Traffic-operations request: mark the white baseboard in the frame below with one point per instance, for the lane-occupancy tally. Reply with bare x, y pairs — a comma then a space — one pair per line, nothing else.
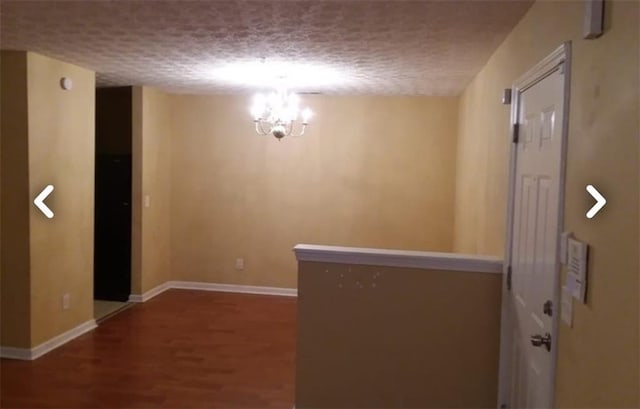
234, 288
228, 288
23, 354
36, 352
151, 293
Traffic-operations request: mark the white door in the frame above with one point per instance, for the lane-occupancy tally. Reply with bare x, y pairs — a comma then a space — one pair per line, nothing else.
535, 238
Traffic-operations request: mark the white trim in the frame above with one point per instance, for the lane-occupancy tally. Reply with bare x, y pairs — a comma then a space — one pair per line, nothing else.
541, 70
228, 288
23, 354
151, 293
62, 339
234, 288
561, 55
47, 346
398, 258
136, 298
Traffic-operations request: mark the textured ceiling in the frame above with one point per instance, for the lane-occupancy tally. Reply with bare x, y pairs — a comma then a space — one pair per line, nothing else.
337, 47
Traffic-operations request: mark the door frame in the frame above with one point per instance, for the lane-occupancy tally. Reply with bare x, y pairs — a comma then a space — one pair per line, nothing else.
561, 56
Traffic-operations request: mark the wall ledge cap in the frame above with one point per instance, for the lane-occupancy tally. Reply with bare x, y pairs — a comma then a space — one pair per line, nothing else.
428, 260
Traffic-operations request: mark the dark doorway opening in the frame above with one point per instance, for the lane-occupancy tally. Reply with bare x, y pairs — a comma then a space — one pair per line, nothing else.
112, 228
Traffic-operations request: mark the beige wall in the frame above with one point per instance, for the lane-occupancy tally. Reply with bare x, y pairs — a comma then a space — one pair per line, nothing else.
598, 357
61, 153
417, 339
48, 138
15, 202
371, 171
152, 177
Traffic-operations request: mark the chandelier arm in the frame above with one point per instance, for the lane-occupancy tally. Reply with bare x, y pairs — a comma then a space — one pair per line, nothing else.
260, 128
288, 128
304, 126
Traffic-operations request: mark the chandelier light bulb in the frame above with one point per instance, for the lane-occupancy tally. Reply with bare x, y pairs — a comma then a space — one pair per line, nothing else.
256, 112
259, 99
290, 114
258, 107
306, 115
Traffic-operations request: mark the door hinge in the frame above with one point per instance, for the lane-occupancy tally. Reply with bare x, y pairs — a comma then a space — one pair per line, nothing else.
516, 133
509, 278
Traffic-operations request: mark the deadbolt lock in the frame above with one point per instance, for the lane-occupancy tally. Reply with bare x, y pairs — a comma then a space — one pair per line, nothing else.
547, 308
540, 340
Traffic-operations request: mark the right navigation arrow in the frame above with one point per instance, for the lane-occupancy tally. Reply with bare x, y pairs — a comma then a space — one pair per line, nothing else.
600, 201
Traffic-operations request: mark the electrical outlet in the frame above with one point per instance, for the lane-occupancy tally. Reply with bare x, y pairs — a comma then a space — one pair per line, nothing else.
66, 301
239, 264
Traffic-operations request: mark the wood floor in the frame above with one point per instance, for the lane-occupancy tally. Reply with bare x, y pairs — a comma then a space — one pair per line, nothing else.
103, 309
182, 349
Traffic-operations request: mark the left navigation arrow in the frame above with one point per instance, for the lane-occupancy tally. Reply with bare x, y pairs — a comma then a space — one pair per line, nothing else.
39, 201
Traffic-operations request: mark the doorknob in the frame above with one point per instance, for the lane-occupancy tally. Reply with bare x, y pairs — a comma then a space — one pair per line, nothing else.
539, 340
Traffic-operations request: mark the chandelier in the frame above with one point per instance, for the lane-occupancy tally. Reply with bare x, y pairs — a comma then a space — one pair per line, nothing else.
277, 114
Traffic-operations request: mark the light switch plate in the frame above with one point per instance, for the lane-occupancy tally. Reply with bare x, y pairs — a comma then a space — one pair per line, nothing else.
564, 238
577, 267
239, 264
566, 306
